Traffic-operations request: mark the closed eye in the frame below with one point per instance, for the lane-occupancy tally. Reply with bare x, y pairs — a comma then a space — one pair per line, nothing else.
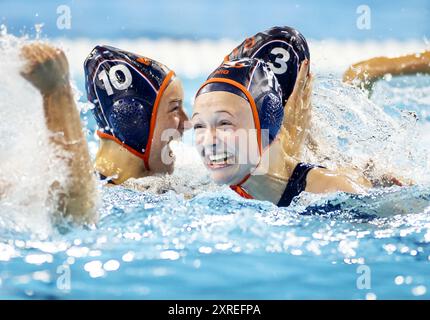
175, 106
223, 123
198, 126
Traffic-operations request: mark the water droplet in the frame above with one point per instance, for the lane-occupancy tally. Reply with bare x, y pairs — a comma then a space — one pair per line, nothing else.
223, 246
169, 254
93, 265
296, 252
3, 30
38, 258
95, 253
206, 250
42, 276
94, 268
111, 265
399, 280
38, 27
370, 296
29, 292
419, 291
197, 263
388, 77
128, 257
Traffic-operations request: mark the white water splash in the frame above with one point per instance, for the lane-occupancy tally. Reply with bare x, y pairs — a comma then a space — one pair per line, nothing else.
352, 131
28, 165
190, 177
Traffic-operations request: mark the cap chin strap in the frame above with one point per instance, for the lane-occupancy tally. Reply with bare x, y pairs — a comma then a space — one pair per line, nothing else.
239, 190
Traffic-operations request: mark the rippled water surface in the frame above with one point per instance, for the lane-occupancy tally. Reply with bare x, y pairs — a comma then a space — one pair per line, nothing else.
219, 246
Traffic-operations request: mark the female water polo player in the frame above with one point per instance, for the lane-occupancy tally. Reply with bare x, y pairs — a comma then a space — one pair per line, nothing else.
247, 93
365, 73
138, 109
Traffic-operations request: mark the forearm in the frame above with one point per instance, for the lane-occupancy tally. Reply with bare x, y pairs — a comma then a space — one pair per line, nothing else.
297, 114
407, 65
63, 121
376, 68
411, 64
292, 147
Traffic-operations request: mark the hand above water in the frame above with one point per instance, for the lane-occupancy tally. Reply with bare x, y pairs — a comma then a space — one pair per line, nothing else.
297, 113
46, 67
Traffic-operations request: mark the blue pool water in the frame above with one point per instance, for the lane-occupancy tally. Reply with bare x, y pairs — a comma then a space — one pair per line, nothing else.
218, 246
213, 244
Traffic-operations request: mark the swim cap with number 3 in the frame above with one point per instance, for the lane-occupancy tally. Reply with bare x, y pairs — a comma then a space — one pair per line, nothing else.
282, 48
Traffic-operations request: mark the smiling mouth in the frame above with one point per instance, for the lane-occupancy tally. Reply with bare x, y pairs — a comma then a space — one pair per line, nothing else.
219, 160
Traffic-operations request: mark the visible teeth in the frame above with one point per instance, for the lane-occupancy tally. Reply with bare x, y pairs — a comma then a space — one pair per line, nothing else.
221, 157
217, 157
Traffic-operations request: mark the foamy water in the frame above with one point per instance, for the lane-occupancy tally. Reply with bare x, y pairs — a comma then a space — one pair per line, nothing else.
28, 162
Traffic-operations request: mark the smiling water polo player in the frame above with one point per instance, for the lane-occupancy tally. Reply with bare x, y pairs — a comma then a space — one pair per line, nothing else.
245, 93
138, 108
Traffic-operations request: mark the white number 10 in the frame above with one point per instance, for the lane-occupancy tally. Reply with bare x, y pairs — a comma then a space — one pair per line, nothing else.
103, 76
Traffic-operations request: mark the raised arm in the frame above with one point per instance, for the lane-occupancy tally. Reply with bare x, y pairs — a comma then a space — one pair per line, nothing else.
366, 73
297, 114
47, 69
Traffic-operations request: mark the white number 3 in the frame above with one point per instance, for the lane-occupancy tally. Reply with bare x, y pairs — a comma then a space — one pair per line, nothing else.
114, 79
280, 60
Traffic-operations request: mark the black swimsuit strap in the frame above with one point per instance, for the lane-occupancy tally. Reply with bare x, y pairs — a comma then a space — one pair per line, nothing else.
296, 183
103, 177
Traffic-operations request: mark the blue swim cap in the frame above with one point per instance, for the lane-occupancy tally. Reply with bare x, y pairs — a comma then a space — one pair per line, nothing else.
282, 48
125, 90
252, 80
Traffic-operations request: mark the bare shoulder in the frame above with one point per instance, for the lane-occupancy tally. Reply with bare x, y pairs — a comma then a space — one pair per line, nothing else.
320, 180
